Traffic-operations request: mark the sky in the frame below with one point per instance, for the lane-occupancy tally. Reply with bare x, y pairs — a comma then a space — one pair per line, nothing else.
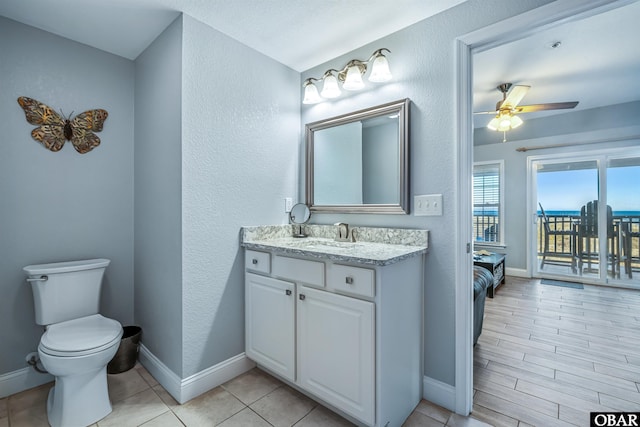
570, 190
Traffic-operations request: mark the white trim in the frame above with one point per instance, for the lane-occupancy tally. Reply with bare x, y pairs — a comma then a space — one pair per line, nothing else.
508, 30
462, 401
186, 389
21, 380
517, 272
165, 376
438, 392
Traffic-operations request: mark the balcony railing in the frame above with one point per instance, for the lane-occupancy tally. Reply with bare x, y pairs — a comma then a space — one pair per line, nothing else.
486, 229
625, 249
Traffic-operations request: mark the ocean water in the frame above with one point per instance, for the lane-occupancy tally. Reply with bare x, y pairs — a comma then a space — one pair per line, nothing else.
494, 212
577, 213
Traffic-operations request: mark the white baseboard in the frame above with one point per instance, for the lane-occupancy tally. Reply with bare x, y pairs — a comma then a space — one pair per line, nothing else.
439, 393
186, 389
517, 272
21, 380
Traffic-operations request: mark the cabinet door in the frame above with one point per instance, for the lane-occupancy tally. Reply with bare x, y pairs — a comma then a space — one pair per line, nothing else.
336, 351
270, 323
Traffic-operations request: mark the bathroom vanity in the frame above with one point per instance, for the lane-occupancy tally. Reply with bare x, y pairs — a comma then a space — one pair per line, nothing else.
339, 321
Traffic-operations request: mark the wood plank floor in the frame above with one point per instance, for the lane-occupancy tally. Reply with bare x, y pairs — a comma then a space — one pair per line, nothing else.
549, 355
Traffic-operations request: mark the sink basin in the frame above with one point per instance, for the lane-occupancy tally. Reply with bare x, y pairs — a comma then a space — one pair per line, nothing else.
326, 244
336, 244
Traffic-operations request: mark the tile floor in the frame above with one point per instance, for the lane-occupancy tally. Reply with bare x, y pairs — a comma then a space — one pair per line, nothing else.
547, 356
253, 399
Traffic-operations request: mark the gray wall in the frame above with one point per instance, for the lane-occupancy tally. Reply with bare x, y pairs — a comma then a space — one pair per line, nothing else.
158, 193
422, 63
211, 155
65, 205
240, 128
206, 152
599, 124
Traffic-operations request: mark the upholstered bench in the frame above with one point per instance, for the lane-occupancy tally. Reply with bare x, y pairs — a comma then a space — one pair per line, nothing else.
482, 279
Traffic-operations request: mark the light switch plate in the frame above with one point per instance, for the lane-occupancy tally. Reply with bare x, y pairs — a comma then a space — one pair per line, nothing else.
288, 204
428, 205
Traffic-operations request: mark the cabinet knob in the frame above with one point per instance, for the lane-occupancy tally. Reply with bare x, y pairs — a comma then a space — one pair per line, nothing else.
254, 261
348, 280
288, 292
302, 297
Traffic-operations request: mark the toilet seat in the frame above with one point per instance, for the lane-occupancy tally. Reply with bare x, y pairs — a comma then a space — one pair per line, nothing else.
79, 337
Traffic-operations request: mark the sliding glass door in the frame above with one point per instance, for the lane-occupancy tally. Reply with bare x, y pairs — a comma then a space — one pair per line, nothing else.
623, 195
586, 218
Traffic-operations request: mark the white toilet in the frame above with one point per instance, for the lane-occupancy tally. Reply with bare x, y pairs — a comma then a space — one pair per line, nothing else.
78, 342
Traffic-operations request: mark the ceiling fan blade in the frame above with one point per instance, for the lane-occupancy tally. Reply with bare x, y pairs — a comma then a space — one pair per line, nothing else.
485, 112
516, 93
549, 106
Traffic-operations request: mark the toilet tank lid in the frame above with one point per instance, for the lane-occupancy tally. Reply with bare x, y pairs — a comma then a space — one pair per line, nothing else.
65, 267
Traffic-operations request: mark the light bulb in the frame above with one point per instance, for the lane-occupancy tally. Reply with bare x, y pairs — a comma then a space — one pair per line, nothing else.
504, 122
515, 122
380, 72
330, 87
353, 81
493, 124
311, 95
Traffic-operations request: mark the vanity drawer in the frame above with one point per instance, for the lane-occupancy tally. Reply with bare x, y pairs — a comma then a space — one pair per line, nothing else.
353, 280
299, 270
257, 261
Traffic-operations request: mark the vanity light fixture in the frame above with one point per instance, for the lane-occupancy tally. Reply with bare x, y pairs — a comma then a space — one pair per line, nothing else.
350, 76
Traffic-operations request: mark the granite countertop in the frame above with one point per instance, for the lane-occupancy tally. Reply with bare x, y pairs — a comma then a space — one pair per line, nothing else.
373, 246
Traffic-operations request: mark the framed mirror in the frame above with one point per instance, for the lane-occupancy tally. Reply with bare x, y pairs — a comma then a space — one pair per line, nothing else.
359, 162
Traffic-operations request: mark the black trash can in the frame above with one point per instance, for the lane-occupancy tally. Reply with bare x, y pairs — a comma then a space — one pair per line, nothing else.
127, 353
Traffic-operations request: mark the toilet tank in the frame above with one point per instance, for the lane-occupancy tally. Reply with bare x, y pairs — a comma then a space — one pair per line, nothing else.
66, 290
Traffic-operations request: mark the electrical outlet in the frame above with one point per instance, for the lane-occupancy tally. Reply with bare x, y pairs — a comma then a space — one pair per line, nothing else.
288, 204
428, 205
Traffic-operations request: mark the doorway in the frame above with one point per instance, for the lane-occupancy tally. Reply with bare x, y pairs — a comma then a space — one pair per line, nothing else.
466, 46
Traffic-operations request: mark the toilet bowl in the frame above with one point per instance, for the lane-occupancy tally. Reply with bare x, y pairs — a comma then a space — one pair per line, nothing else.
78, 343
76, 352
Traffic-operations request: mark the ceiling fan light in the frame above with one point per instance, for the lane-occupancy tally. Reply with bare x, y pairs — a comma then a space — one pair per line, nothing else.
504, 125
515, 121
504, 121
494, 123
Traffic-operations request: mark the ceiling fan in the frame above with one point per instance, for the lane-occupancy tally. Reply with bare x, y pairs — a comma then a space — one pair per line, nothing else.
507, 108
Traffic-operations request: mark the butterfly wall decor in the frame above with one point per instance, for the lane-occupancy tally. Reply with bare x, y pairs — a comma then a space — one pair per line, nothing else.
54, 129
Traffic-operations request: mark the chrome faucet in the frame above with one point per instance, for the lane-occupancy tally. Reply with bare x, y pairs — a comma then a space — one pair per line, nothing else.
344, 235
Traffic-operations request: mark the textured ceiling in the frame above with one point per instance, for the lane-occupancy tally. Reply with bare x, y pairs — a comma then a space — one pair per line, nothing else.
298, 33
597, 63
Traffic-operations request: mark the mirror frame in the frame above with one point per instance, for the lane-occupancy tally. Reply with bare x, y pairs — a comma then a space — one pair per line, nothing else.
401, 108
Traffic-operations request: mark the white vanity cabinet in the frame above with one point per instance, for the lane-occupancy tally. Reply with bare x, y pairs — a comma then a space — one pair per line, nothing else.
348, 335
336, 350
270, 323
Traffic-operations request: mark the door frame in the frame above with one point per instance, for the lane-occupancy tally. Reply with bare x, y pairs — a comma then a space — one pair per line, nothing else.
465, 47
